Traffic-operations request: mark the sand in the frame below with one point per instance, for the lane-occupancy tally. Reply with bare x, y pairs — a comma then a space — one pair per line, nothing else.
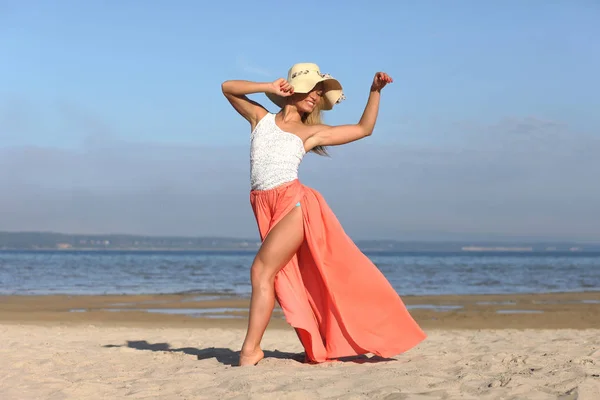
90, 362
47, 352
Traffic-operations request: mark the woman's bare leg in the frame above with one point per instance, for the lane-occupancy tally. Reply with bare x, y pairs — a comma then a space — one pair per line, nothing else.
278, 248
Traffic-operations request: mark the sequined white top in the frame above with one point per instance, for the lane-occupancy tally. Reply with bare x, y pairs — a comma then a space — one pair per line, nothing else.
275, 155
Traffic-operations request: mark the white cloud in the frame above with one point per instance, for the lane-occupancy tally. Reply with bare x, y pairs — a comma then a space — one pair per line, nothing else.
250, 68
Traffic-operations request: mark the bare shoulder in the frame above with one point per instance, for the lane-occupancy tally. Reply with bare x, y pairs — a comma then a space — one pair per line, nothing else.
313, 133
318, 128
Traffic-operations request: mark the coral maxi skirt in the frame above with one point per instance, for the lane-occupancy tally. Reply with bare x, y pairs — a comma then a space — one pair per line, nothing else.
337, 300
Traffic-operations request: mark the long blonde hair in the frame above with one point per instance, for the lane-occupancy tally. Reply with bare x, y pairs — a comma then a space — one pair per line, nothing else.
315, 118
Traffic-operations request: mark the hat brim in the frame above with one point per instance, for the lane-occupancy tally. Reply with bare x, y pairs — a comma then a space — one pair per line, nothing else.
332, 95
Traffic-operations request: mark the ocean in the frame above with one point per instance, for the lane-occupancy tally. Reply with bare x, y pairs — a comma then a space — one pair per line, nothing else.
227, 273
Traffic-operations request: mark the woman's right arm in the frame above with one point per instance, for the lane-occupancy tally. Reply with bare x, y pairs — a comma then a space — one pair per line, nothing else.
236, 90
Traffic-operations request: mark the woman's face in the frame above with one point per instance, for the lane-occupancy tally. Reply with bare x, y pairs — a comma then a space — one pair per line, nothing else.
306, 102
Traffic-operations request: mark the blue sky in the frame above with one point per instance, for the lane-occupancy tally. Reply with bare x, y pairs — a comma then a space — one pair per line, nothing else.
83, 81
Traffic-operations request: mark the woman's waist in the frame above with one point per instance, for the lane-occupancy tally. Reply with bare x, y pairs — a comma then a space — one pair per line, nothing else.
263, 186
269, 178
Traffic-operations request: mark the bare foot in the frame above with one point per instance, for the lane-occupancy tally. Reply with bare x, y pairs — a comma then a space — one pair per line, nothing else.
251, 357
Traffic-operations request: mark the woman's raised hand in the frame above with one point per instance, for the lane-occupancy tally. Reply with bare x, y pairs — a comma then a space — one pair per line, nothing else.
281, 87
380, 80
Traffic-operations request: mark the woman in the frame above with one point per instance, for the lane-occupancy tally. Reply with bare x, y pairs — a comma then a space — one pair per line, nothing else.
336, 299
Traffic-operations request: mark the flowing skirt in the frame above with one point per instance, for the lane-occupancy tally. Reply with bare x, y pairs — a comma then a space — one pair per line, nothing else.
337, 300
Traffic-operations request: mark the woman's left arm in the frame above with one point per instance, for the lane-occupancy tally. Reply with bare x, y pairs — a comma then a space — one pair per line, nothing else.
342, 134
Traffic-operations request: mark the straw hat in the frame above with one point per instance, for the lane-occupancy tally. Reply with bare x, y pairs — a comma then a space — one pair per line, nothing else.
304, 77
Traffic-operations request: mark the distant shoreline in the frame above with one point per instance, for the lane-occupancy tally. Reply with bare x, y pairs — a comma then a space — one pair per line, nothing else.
50, 241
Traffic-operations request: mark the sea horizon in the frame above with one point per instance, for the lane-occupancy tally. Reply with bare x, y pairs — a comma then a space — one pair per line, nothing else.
38, 240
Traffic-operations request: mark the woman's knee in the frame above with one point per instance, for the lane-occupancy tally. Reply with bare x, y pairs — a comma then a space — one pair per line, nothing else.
261, 274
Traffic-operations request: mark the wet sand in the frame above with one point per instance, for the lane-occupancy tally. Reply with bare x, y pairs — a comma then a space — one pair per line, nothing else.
579, 310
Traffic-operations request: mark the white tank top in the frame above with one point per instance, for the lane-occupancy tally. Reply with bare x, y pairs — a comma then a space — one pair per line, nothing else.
275, 155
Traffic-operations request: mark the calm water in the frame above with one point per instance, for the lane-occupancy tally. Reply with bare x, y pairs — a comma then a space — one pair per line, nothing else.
55, 272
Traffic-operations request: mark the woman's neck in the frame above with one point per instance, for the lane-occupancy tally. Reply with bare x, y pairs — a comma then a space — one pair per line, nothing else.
290, 114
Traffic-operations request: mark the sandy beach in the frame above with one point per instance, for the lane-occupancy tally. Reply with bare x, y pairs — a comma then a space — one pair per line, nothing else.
81, 347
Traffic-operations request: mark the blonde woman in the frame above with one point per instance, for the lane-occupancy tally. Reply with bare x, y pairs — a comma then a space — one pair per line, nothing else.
337, 300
